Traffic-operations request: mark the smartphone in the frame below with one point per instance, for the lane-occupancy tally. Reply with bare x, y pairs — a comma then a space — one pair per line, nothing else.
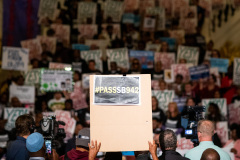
48, 144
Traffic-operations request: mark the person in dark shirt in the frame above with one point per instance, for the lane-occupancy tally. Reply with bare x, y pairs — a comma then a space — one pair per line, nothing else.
237, 97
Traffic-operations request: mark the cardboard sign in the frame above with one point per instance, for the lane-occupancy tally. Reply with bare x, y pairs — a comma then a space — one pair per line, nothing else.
47, 8
80, 47
179, 35
115, 132
32, 77
93, 55
56, 80
177, 5
34, 46
14, 58
50, 43
113, 9
146, 58
168, 76
170, 41
120, 56
78, 97
131, 5
25, 94
87, 31
190, 54
153, 47
11, 114
62, 32
87, 10
164, 98
198, 72
234, 113
221, 102
54, 65
222, 131
116, 29
167, 59
236, 71
181, 69
220, 63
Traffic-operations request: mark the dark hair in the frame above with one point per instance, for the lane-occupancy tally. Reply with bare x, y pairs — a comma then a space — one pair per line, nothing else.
236, 127
69, 101
24, 124
168, 140
92, 60
214, 77
210, 154
179, 76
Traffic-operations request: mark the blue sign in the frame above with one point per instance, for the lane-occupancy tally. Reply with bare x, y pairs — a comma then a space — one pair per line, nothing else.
171, 42
198, 72
220, 63
146, 58
80, 47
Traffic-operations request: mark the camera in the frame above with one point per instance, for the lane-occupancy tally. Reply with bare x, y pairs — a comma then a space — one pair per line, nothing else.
53, 135
189, 120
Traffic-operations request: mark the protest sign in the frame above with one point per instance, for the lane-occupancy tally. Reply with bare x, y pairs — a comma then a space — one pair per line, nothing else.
87, 12
80, 47
222, 131
87, 31
25, 94
130, 6
159, 12
85, 81
170, 41
116, 29
146, 58
184, 144
149, 24
168, 76
93, 55
189, 25
113, 9
116, 90
120, 56
234, 113
177, 5
62, 32
11, 114
179, 35
96, 44
128, 18
49, 42
32, 77
181, 69
236, 71
153, 47
164, 98
167, 59
220, 63
190, 54
14, 58
34, 46
198, 72
221, 102
167, 5
77, 66
207, 5
54, 65
78, 97
181, 102
155, 84
47, 8
56, 80
106, 128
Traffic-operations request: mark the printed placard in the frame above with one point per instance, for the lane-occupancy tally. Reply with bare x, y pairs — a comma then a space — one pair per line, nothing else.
190, 54
167, 59
62, 32
34, 46
54, 65
25, 94
96, 44
234, 112
87, 10
56, 80
113, 9
149, 24
47, 8
236, 71
222, 131
168, 76
87, 31
164, 98
181, 69
220, 63
93, 55
221, 102
14, 58
50, 43
11, 114
170, 41
120, 56
198, 72
32, 77
146, 58
116, 90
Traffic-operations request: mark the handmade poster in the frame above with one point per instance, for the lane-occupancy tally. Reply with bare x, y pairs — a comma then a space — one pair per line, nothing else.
155, 84
113, 128
168, 76
120, 56
56, 80
170, 41
222, 131
47, 8
181, 69
146, 58
116, 90
96, 44
62, 32
14, 58
34, 46
87, 31
190, 54
179, 35
93, 55
78, 97
220, 63
164, 98
149, 24
184, 144
55, 65
221, 102
25, 94
199, 72
32, 77
167, 59
167, 5
153, 47
80, 47
11, 114
87, 12
49, 42
113, 9
159, 12
234, 113
177, 5
236, 71
116, 29
189, 25
130, 6
207, 5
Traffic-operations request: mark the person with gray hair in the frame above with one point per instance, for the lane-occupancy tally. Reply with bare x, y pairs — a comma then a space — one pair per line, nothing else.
205, 131
210, 154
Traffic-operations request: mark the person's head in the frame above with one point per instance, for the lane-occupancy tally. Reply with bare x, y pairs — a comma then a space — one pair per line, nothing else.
172, 109
4, 98
91, 65
35, 145
215, 53
24, 125
154, 103
205, 130
164, 47
83, 138
217, 94
156, 122
35, 63
182, 61
213, 110
113, 66
20, 80
212, 79
57, 95
168, 140
238, 90
188, 87
38, 118
162, 85
158, 66
235, 131
136, 65
179, 78
15, 102
210, 154
76, 76
190, 102
68, 104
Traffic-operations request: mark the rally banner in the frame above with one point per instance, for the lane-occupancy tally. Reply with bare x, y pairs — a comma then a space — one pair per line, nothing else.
32, 77
182, 69
116, 29
236, 71
113, 9
25, 94
93, 55
167, 59
55, 65
87, 12
80, 47
172, 42
198, 72
56, 80
62, 32
11, 114
49, 42
14, 58
190, 54
164, 98
116, 90
34, 46
87, 31
221, 102
220, 63
234, 113
120, 56
153, 47
146, 58
130, 6
179, 35
47, 8
177, 5
222, 131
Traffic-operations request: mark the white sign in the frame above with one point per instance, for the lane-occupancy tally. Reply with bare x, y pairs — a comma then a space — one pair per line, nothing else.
221, 102
25, 94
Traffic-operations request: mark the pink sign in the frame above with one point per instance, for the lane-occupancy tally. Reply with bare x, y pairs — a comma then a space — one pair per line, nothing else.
234, 113
181, 69
62, 32
50, 43
87, 31
167, 59
78, 97
184, 144
222, 131
34, 46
